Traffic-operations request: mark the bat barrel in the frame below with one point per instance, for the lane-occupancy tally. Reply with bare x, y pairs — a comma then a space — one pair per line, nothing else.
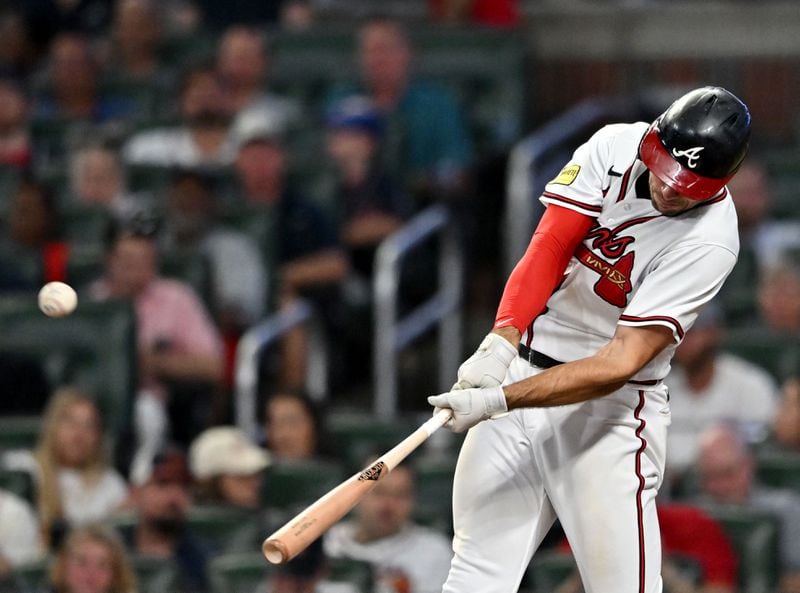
275, 551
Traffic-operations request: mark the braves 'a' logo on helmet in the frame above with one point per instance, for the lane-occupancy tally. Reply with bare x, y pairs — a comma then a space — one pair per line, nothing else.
692, 155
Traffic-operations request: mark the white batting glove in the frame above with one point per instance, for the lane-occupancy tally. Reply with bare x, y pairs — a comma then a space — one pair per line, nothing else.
488, 366
470, 406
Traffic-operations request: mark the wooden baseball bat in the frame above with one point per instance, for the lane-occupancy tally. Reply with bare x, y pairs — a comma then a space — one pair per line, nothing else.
294, 537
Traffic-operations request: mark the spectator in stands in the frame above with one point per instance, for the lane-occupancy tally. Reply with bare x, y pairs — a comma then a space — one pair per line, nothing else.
727, 469
242, 64
428, 146
136, 34
31, 251
406, 557
20, 539
787, 420
92, 560
779, 299
75, 483
179, 348
293, 426
96, 176
162, 500
228, 468
763, 240
308, 255
75, 92
238, 271
370, 205
203, 139
16, 50
708, 385
15, 139
47, 18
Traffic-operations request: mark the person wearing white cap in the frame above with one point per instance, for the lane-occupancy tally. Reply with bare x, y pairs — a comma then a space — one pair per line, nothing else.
228, 467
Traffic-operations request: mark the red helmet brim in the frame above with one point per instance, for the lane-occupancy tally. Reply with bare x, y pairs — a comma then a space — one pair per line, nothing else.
687, 183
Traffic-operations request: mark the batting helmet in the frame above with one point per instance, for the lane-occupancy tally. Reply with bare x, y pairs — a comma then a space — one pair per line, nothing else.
698, 143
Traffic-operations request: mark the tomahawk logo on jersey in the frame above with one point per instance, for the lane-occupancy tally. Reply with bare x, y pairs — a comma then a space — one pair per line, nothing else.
636, 266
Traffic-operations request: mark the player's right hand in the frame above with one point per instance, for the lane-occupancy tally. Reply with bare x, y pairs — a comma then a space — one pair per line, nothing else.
470, 406
488, 366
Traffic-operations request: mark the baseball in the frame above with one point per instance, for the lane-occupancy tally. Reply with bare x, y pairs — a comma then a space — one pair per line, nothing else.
57, 299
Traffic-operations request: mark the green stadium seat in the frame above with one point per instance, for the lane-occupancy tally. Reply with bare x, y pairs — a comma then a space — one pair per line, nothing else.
295, 484
434, 493
360, 437
548, 570
19, 432
19, 482
220, 526
357, 573
778, 355
754, 536
148, 178
240, 573
84, 225
155, 575
779, 469
94, 348
32, 577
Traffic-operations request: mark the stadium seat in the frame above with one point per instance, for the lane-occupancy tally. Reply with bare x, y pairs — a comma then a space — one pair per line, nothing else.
754, 536
434, 493
94, 348
779, 469
19, 482
32, 577
548, 570
219, 525
357, 573
359, 436
155, 575
19, 432
295, 484
240, 573
778, 355
84, 225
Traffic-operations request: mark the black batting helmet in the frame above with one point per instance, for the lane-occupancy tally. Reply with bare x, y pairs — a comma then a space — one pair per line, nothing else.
698, 143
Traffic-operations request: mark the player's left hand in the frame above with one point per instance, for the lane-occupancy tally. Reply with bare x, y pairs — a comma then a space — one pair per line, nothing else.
470, 406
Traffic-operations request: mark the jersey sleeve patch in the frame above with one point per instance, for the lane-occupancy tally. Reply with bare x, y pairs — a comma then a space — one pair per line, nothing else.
567, 175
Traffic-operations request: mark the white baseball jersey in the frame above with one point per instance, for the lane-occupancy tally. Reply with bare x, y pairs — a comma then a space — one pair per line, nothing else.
637, 266
596, 465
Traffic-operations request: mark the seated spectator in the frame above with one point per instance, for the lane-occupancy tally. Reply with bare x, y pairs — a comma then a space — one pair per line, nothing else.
293, 426
308, 255
178, 346
370, 205
15, 138
17, 56
429, 148
203, 137
161, 501
707, 386
238, 272
75, 93
726, 470
406, 558
787, 421
97, 177
31, 252
92, 560
136, 35
20, 539
779, 300
242, 64
75, 483
228, 468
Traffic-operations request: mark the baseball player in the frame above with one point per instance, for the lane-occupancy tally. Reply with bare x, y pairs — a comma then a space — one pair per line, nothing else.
639, 233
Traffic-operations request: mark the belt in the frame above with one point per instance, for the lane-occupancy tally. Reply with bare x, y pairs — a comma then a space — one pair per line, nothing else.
541, 360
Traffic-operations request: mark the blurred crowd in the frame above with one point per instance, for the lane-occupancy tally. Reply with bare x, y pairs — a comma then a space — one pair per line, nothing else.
142, 141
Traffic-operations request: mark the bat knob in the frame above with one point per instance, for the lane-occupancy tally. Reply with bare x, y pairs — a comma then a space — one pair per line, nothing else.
275, 551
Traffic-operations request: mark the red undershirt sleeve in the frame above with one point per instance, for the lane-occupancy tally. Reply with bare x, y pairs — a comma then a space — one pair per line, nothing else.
540, 270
